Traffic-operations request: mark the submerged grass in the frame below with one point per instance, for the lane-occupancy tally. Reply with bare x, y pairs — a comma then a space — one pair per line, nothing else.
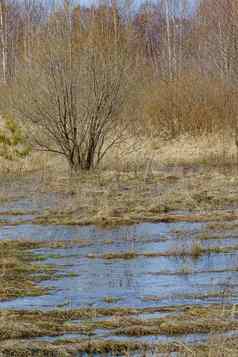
195, 250
111, 299
216, 347
21, 269
191, 319
87, 348
17, 327
18, 271
72, 218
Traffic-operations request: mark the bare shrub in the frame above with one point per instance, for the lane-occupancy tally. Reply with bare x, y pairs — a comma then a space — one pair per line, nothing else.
71, 98
192, 105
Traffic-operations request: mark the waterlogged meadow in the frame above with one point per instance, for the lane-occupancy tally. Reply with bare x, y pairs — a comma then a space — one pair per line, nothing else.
118, 178
144, 289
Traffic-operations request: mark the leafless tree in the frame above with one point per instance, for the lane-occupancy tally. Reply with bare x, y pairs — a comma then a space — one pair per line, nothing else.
71, 100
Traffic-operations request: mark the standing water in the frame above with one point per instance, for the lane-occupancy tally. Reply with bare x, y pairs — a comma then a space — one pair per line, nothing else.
141, 266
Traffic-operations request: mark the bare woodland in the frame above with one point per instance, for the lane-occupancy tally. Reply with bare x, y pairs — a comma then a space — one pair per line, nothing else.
79, 79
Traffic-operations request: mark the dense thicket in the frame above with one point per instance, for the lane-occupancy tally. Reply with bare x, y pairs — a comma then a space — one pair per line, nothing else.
82, 76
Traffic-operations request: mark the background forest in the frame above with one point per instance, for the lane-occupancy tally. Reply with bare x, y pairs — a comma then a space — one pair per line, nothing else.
80, 81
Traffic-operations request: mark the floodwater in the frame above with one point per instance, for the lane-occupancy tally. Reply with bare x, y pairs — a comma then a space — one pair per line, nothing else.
139, 282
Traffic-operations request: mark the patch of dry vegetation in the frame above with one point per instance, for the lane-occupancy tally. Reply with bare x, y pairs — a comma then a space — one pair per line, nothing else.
18, 271
155, 184
74, 347
216, 347
18, 326
191, 319
204, 319
195, 250
109, 198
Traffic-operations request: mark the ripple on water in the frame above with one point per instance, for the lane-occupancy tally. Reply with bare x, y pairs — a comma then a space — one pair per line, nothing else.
173, 280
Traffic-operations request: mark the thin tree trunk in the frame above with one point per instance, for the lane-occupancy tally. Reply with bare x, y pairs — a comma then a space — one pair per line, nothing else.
168, 30
3, 39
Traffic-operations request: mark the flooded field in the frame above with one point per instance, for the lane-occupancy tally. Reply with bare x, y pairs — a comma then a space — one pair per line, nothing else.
147, 284
135, 280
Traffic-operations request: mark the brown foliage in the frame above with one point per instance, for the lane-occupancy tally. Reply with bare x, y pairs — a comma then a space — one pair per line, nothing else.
190, 105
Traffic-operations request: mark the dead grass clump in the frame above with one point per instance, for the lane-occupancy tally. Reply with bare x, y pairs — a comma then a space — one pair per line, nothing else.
120, 255
197, 249
188, 320
89, 313
32, 348
214, 348
17, 268
27, 324
111, 299
138, 215
194, 319
219, 346
13, 329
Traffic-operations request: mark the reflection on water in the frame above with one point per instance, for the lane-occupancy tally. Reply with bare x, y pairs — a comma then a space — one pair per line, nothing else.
132, 280
139, 282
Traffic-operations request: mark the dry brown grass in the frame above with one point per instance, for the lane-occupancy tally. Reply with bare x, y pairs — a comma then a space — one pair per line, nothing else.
17, 270
183, 153
143, 185
213, 320
142, 155
113, 197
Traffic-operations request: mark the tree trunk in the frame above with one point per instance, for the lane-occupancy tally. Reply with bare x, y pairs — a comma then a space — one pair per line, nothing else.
78, 163
3, 39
